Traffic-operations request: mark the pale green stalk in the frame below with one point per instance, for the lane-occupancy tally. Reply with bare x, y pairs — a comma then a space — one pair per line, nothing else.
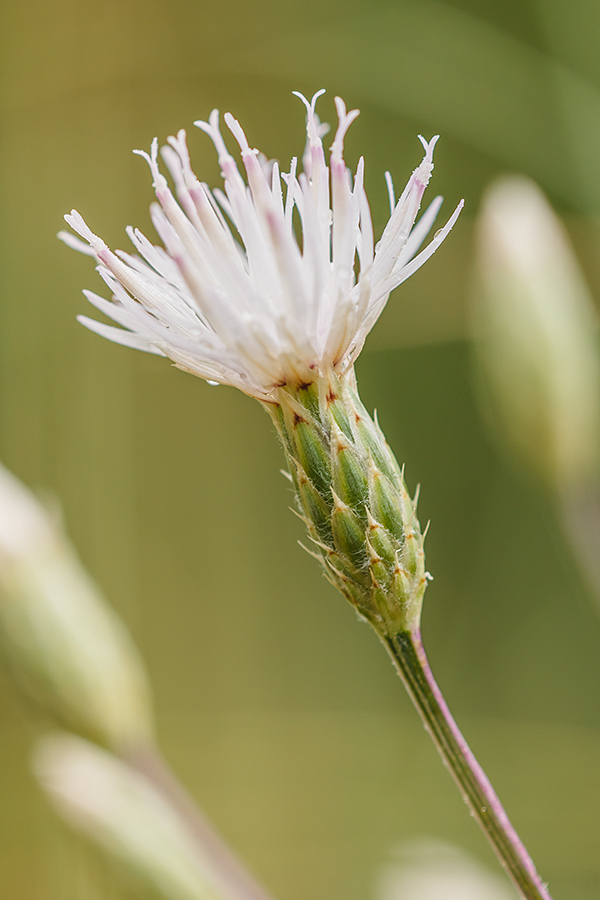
537, 353
364, 529
74, 656
69, 650
124, 813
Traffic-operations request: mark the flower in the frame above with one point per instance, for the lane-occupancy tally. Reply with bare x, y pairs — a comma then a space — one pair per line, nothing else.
246, 303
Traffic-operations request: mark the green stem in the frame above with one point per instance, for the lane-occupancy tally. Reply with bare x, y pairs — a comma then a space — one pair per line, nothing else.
408, 655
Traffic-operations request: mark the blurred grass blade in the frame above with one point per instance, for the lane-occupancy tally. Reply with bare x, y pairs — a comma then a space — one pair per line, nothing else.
68, 648
536, 334
122, 812
538, 356
434, 870
74, 656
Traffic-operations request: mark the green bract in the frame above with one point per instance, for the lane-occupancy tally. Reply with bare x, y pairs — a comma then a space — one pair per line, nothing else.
351, 494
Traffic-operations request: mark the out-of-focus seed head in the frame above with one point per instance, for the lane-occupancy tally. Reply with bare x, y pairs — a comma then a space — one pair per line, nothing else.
68, 648
122, 812
536, 336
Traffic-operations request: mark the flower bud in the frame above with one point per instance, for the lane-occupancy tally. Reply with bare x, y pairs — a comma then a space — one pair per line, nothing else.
69, 649
536, 335
351, 494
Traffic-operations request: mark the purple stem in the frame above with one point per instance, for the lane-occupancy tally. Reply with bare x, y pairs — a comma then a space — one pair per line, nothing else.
408, 654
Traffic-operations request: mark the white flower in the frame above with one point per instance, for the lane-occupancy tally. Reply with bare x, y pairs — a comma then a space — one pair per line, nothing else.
250, 305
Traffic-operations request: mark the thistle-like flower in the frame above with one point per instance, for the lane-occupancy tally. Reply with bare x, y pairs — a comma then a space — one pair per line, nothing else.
237, 299
245, 303
250, 305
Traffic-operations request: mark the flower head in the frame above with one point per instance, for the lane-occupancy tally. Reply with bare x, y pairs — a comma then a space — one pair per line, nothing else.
234, 296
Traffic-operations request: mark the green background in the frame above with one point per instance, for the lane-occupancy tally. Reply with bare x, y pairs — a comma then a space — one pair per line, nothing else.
278, 710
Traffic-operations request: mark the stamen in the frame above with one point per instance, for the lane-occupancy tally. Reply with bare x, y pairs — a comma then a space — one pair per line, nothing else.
78, 224
179, 145
239, 134
74, 243
391, 192
211, 128
290, 183
159, 182
226, 161
312, 126
173, 164
428, 146
345, 121
423, 172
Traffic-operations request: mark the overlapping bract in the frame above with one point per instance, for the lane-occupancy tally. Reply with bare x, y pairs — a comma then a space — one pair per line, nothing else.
351, 495
246, 303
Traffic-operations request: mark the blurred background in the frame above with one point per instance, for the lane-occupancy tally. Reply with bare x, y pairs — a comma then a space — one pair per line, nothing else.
281, 713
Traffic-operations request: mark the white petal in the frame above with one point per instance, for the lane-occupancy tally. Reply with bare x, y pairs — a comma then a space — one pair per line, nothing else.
119, 336
246, 302
74, 243
398, 277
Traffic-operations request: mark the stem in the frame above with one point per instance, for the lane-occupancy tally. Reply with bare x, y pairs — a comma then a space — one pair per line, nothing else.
408, 655
227, 870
